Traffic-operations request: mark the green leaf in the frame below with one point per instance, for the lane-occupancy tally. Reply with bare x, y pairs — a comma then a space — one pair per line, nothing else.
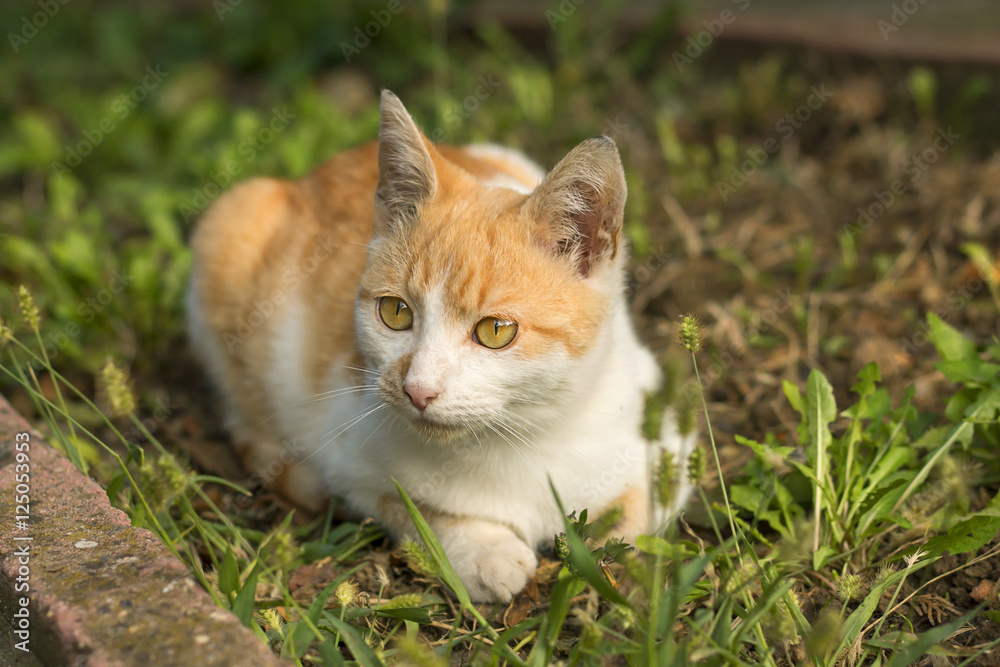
764, 604
863, 613
868, 378
448, 574
229, 574
900, 639
965, 536
932, 437
821, 408
300, 637
114, 488
329, 653
923, 644
758, 504
244, 602
794, 396
359, 649
563, 592
822, 556
950, 344
986, 407
969, 371
658, 546
415, 614
764, 451
879, 505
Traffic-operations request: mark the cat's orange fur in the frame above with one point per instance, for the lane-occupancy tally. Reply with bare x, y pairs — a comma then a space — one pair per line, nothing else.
284, 312
253, 235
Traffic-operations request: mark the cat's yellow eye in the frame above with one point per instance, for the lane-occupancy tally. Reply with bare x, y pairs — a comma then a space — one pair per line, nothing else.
495, 333
395, 313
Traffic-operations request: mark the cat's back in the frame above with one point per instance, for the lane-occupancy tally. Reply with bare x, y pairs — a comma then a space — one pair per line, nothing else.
252, 235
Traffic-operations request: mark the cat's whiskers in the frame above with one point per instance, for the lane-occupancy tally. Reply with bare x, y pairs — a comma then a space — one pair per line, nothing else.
482, 450
375, 430
572, 446
523, 437
343, 428
527, 423
509, 442
322, 396
361, 370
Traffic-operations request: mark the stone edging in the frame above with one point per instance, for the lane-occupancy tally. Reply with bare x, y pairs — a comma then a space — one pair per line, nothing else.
100, 591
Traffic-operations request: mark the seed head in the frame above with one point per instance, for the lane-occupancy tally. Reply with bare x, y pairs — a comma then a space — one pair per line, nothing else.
418, 559
912, 559
29, 310
849, 587
697, 466
779, 624
174, 478
283, 548
404, 601
274, 620
346, 593
114, 385
884, 572
562, 548
690, 336
592, 633
665, 478
5, 334
162, 481
381, 577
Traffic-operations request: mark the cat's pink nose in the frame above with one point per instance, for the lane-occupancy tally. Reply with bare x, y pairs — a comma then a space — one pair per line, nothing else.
420, 396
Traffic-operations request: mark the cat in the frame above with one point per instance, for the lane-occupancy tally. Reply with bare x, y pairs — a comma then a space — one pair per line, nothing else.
452, 318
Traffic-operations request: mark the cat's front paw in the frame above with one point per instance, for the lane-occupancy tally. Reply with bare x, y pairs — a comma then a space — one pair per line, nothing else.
492, 562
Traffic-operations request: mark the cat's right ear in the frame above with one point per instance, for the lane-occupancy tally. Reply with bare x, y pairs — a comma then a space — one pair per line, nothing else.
406, 175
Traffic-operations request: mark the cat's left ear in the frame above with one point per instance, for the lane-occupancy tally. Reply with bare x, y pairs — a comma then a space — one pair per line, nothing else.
580, 205
406, 174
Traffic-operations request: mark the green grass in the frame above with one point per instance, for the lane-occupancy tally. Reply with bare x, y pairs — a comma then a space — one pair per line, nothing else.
821, 548
726, 603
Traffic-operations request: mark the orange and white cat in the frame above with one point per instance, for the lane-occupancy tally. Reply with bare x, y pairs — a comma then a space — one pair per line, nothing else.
451, 318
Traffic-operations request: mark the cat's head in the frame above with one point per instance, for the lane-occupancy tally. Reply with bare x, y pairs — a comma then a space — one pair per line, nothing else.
481, 308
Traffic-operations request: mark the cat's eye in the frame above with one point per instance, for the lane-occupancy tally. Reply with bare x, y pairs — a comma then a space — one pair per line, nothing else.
495, 333
395, 313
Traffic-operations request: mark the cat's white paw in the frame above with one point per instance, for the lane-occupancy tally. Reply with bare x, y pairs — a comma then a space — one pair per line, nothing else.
492, 562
